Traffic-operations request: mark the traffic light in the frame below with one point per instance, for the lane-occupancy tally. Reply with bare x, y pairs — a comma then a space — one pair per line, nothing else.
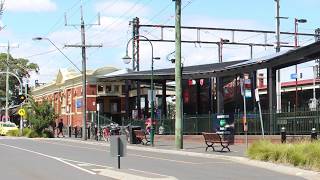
21, 98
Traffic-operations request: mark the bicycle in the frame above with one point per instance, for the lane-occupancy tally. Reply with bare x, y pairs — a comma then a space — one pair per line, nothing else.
115, 129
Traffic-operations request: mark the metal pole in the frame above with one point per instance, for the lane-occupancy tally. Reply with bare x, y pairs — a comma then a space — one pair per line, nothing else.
314, 100
152, 100
84, 79
178, 89
296, 66
245, 113
278, 50
262, 128
7, 84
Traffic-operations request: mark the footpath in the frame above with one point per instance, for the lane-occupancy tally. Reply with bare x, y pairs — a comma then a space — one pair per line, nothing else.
194, 146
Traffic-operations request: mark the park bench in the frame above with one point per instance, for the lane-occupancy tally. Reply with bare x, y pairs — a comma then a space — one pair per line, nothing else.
141, 137
213, 138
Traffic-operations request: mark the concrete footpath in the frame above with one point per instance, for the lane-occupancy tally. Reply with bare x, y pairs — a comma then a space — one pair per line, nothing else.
195, 148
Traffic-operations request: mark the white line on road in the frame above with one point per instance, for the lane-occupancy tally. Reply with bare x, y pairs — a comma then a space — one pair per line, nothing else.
107, 171
51, 157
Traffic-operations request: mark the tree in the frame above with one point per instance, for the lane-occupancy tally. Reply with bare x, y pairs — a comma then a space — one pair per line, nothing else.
21, 67
41, 115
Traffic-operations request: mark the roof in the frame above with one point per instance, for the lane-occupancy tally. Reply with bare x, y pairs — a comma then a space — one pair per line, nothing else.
276, 61
169, 73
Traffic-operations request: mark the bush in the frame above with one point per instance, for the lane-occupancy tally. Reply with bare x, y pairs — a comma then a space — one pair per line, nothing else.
13, 133
26, 132
303, 154
47, 134
33, 134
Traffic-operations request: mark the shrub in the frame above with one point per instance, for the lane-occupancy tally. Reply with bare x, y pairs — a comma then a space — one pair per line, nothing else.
304, 154
26, 132
33, 134
13, 133
47, 134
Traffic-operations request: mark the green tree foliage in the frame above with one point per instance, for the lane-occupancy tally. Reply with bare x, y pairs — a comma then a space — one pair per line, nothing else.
41, 115
21, 67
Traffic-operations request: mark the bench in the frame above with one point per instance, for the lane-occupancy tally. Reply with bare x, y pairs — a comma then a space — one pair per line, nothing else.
141, 137
213, 138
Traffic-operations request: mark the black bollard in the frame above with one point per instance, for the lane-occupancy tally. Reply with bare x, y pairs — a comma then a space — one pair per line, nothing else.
88, 132
81, 132
313, 134
70, 132
283, 135
96, 133
76, 132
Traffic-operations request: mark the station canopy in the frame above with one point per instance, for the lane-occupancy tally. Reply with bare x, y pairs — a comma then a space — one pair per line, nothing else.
276, 61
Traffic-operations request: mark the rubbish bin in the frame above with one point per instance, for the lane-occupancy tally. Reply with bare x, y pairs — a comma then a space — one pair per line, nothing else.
133, 139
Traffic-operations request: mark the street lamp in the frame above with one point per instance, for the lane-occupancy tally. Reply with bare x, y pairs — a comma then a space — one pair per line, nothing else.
126, 59
296, 22
44, 38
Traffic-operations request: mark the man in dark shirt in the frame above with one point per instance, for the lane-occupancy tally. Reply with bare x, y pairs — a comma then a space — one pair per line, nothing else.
60, 127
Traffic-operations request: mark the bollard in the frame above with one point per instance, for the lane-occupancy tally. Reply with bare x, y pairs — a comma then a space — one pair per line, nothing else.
75, 132
81, 132
70, 132
313, 134
88, 132
96, 133
283, 135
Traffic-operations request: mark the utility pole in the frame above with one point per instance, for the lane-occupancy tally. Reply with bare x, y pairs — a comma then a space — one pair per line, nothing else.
7, 80
278, 91
178, 78
83, 47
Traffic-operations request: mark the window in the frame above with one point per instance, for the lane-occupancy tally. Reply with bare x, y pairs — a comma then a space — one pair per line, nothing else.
100, 88
123, 89
108, 89
114, 107
116, 88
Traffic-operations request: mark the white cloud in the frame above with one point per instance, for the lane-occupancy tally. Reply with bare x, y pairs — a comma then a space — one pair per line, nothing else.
30, 5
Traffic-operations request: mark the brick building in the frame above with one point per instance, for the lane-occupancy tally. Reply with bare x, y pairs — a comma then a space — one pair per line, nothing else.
65, 94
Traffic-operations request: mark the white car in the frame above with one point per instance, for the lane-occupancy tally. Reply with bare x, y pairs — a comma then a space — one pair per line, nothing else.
5, 127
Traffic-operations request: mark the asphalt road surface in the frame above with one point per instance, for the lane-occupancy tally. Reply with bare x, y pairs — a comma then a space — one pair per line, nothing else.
52, 159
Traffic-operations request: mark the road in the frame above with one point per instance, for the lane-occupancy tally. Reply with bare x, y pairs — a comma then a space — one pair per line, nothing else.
54, 159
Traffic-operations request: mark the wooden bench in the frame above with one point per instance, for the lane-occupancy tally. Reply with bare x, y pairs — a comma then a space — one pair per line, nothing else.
141, 137
213, 138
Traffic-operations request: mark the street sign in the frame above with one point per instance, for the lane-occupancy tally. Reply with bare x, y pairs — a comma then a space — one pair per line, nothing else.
293, 76
22, 112
247, 93
256, 93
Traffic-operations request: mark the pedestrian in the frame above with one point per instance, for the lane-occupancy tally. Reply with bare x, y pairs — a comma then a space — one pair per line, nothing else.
60, 127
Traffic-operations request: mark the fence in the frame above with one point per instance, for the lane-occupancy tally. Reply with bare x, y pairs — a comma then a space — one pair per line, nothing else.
300, 122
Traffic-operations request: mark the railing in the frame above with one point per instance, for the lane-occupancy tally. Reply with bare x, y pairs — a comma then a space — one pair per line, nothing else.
300, 122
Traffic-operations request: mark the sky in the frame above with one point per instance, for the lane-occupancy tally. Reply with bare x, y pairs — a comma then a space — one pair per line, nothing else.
25, 19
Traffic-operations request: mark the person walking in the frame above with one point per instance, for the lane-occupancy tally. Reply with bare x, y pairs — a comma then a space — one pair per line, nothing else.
60, 127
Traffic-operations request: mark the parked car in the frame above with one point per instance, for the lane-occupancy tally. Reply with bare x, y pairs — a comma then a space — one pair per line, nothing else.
5, 127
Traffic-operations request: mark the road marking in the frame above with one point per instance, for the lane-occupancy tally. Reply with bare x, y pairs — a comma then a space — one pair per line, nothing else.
50, 157
107, 171
137, 155
146, 172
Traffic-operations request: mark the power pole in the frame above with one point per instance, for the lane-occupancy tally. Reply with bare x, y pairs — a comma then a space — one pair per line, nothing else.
7, 80
178, 79
83, 47
278, 78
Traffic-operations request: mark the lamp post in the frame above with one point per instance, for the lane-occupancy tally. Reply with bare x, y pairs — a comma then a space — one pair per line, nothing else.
126, 59
296, 22
44, 38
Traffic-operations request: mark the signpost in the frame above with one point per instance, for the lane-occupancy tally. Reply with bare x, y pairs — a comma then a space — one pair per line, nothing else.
118, 147
259, 106
244, 84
